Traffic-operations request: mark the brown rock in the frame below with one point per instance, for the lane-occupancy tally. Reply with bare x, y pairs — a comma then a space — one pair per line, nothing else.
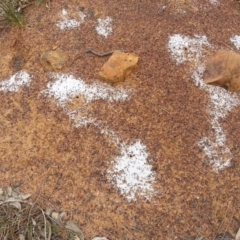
223, 70
53, 60
118, 67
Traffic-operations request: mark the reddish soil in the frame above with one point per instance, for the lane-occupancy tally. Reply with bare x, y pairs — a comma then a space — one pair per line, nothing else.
66, 166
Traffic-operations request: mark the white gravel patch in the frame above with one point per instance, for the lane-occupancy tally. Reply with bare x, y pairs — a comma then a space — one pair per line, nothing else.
68, 24
80, 117
236, 41
104, 27
221, 102
15, 82
183, 48
66, 87
132, 174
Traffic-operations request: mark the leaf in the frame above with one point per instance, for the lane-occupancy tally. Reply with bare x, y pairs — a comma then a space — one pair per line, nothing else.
16, 205
15, 195
25, 196
238, 235
10, 199
9, 191
2, 198
34, 222
71, 226
17, 190
48, 211
62, 214
55, 215
21, 237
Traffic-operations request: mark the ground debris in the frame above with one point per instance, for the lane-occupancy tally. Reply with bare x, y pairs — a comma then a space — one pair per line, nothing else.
22, 219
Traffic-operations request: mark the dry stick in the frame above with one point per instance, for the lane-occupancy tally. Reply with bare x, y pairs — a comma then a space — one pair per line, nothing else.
29, 214
48, 202
78, 56
96, 53
49, 231
56, 183
59, 223
23, 6
229, 223
103, 54
91, 51
198, 234
222, 221
137, 230
111, 233
33, 204
45, 224
165, 110
128, 231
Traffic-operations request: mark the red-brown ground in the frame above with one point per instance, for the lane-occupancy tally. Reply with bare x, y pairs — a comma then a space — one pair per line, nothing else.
41, 149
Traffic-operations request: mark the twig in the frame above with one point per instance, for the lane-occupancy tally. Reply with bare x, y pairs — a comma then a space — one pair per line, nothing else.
110, 232
140, 230
56, 183
103, 54
128, 231
45, 232
136, 229
78, 56
48, 201
21, 7
231, 218
220, 226
165, 110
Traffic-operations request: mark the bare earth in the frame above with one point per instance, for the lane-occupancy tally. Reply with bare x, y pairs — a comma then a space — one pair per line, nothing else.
67, 166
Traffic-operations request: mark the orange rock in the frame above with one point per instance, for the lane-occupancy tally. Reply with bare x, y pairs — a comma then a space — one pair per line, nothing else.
118, 67
53, 60
54, 48
223, 70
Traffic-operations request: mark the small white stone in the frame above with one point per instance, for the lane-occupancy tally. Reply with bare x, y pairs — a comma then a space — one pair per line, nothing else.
15, 82
64, 12
132, 174
104, 27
